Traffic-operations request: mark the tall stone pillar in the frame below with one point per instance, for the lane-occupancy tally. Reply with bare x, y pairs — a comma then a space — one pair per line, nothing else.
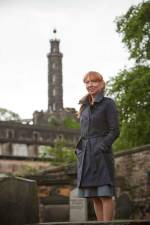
55, 90
7, 149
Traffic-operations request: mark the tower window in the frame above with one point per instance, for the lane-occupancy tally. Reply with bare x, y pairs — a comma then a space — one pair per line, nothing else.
54, 92
54, 78
54, 107
54, 49
54, 65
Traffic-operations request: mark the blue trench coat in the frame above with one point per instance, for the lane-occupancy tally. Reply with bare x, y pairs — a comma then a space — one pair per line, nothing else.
99, 129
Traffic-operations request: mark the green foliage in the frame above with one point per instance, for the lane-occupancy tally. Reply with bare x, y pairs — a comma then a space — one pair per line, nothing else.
131, 90
71, 123
54, 121
134, 27
59, 153
67, 122
6, 115
26, 170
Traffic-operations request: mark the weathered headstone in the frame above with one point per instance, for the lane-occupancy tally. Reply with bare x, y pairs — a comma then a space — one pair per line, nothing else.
78, 207
53, 213
55, 206
124, 206
18, 201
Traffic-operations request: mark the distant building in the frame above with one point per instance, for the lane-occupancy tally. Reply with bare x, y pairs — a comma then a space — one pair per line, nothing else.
55, 89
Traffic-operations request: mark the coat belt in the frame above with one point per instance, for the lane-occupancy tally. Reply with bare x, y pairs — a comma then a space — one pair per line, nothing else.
95, 136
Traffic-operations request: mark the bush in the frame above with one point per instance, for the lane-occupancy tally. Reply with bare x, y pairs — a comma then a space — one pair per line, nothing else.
60, 154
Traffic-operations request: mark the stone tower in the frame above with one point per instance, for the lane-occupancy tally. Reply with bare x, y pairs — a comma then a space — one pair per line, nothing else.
55, 90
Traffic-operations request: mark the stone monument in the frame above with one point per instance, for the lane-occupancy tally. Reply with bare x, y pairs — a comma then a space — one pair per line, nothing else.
18, 201
78, 207
56, 112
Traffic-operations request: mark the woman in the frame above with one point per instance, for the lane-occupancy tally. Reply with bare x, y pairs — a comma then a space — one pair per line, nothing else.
95, 163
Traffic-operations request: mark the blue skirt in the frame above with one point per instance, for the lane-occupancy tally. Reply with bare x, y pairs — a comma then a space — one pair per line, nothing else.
101, 191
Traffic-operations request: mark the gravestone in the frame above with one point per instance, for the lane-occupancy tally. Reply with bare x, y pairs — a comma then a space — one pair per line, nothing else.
53, 213
78, 207
18, 201
124, 206
55, 206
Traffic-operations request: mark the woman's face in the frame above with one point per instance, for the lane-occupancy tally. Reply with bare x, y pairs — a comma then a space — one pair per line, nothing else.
93, 86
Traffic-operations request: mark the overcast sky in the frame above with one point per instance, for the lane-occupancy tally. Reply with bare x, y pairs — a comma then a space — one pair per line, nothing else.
88, 41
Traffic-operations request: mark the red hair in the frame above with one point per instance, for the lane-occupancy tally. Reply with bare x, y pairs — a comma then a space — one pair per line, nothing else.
92, 75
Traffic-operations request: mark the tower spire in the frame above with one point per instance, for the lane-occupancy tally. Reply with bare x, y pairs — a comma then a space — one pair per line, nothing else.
54, 33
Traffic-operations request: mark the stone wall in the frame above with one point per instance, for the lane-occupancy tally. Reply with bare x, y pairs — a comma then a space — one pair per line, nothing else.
133, 172
133, 178
54, 185
22, 165
33, 135
132, 182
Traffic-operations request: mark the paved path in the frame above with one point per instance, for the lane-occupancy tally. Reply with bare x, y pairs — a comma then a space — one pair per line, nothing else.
115, 222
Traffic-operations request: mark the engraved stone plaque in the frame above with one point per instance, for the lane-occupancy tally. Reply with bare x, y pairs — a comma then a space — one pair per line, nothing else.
78, 207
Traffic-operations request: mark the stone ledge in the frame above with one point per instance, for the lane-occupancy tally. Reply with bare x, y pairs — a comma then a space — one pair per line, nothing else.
115, 222
132, 150
27, 158
15, 124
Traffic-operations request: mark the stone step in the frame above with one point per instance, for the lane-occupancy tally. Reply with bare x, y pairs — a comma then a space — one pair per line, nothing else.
115, 222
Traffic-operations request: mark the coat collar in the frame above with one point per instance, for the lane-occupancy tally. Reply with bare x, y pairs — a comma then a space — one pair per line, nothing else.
99, 97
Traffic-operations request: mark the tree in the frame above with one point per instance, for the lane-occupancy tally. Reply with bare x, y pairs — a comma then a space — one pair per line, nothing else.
134, 27
6, 115
131, 90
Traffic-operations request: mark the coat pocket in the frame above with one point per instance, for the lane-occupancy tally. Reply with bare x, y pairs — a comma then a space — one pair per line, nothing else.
102, 147
78, 146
